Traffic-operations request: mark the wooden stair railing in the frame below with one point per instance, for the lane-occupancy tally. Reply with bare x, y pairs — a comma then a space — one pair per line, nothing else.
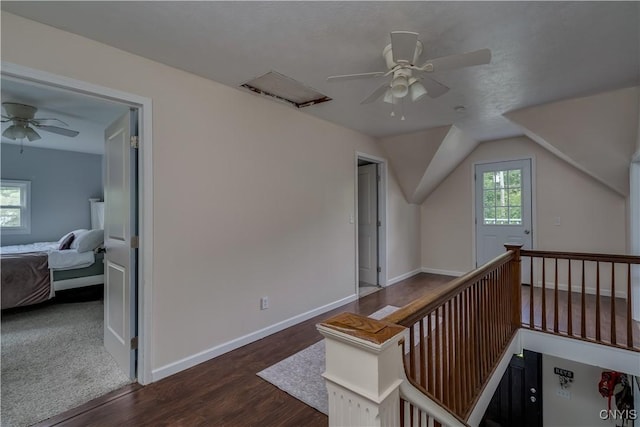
451, 343
581, 295
457, 337
428, 363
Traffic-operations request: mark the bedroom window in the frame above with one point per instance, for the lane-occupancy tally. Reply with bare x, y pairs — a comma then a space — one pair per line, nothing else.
15, 209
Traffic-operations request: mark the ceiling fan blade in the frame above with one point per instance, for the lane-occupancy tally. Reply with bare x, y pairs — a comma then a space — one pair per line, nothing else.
39, 121
479, 57
355, 76
434, 88
58, 130
376, 94
403, 46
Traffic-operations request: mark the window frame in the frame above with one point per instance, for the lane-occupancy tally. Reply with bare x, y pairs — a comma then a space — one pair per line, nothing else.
508, 206
25, 207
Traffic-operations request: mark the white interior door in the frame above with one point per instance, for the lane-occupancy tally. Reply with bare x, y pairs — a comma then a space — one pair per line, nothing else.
120, 257
368, 224
503, 208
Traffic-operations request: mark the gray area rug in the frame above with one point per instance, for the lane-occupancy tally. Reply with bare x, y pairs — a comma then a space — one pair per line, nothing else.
53, 360
300, 375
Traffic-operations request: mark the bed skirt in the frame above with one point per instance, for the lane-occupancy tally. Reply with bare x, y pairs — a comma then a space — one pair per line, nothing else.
25, 279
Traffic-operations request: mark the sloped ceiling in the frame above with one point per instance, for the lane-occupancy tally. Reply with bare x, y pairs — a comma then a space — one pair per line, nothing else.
422, 160
596, 134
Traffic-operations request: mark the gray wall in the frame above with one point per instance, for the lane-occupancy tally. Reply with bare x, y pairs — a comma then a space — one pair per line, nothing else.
61, 184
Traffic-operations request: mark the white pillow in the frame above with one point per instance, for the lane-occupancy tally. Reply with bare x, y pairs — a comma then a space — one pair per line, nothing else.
88, 240
74, 232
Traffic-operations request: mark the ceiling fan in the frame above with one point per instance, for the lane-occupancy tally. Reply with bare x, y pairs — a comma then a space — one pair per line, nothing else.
407, 78
23, 117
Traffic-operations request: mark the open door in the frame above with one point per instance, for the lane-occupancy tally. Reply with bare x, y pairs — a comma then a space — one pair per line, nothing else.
368, 223
120, 240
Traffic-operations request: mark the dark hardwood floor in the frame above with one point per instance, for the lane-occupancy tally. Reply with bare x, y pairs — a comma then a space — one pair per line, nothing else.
226, 391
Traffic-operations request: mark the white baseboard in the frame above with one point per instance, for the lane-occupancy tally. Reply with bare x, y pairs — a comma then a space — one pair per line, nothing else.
403, 276
203, 356
578, 289
442, 272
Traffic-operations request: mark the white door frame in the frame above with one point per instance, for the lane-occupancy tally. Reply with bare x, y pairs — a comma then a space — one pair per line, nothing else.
382, 216
634, 231
145, 189
534, 218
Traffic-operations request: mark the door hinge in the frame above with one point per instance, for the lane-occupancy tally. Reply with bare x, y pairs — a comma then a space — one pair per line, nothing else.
134, 343
135, 242
135, 142
475, 177
379, 224
379, 178
379, 269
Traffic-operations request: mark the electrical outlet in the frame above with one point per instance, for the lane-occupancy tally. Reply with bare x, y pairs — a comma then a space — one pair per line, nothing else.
562, 392
264, 303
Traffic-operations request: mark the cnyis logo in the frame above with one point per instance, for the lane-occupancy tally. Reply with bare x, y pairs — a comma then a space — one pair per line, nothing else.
616, 414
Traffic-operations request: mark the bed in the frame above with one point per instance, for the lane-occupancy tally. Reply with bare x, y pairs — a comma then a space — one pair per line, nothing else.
32, 273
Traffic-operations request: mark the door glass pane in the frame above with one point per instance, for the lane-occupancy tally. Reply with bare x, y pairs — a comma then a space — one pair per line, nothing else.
488, 180
501, 215
10, 217
489, 215
515, 215
502, 197
10, 195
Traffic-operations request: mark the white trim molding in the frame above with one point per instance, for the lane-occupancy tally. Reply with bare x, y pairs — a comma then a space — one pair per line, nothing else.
443, 272
404, 276
145, 188
210, 353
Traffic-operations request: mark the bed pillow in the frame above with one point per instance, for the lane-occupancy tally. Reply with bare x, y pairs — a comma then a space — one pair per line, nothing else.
75, 233
88, 240
66, 242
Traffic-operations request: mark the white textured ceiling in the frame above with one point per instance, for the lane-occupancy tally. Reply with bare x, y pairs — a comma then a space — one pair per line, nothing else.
542, 51
90, 116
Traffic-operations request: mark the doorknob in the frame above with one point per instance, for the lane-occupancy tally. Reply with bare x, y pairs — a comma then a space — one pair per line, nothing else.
527, 231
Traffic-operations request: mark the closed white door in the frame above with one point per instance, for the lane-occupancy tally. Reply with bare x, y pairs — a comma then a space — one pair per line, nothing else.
120, 257
503, 208
368, 224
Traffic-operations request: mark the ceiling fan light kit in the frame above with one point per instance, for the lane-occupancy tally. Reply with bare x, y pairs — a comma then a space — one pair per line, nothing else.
19, 132
401, 57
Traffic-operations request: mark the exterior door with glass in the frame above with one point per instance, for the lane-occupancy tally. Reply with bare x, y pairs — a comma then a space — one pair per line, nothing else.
503, 207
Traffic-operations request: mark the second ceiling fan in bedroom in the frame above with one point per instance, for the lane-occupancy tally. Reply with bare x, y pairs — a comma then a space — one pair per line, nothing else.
23, 120
407, 78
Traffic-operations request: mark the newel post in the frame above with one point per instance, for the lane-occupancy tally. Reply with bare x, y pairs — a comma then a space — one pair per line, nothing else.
516, 283
363, 370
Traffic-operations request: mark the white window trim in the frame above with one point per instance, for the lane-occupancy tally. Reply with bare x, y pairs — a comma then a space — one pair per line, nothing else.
25, 207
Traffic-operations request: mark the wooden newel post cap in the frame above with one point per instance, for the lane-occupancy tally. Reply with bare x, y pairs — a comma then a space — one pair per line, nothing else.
513, 246
375, 331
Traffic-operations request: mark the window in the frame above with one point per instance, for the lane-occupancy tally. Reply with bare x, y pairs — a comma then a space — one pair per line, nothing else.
502, 197
15, 209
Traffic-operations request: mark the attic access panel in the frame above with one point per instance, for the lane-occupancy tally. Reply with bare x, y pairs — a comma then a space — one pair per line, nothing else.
283, 88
